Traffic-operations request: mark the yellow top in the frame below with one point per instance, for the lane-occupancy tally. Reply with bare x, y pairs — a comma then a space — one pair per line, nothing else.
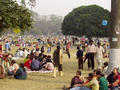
93, 83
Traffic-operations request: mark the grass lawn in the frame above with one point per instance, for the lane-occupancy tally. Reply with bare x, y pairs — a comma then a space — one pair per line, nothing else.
40, 81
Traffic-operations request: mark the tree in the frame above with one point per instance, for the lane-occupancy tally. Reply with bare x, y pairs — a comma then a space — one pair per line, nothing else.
13, 15
114, 55
32, 3
87, 20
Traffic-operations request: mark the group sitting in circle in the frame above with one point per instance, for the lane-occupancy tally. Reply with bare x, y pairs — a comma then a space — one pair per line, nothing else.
95, 81
34, 61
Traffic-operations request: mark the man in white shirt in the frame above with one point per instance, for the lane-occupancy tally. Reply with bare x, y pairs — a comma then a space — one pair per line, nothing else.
99, 55
91, 50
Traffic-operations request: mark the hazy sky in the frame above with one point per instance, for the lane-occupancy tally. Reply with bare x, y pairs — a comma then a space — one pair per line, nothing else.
63, 7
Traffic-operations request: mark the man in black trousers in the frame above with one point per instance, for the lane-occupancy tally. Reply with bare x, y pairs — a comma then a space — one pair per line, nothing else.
91, 50
80, 58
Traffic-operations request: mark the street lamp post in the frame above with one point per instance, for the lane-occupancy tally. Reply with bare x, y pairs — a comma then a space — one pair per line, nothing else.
114, 55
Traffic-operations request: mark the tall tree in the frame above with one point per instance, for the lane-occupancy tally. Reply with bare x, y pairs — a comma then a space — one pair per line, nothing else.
86, 20
115, 36
14, 16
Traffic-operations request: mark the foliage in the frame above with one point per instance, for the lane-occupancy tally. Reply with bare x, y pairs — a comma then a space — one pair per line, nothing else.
87, 20
13, 15
32, 3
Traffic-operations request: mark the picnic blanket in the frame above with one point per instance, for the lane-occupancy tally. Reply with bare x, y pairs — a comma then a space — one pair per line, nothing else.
40, 71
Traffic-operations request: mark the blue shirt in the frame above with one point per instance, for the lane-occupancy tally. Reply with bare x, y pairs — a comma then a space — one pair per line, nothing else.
7, 45
79, 53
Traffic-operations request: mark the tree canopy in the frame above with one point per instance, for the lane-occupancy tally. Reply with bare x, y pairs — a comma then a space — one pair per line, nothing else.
13, 15
87, 20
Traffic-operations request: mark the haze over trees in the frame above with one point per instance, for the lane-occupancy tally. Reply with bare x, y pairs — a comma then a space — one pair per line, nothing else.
50, 24
87, 20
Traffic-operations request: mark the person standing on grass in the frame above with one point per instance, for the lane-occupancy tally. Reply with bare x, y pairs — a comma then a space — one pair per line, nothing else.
80, 58
91, 50
67, 49
42, 50
48, 48
99, 55
7, 46
57, 60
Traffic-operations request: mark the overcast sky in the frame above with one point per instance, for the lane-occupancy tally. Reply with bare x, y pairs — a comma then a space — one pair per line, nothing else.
63, 7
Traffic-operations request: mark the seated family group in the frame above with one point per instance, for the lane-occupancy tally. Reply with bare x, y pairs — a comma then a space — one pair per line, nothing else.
34, 61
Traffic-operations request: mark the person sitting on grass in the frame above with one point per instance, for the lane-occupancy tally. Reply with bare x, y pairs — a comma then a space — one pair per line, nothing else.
49, 65
35, 64
105, 67
5, 63
28, 63
21, 73
2, 71
102, 81
12, 68
17, 54
110, 78
27, 58
91, 85
40, 58
37, 52
78, 79
21, 52
25, 52
95, 71
114, 85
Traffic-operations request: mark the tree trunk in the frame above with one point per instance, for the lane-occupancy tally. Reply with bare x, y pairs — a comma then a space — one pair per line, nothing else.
114, 55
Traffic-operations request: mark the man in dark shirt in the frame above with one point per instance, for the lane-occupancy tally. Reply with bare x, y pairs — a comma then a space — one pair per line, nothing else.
116, 80
78, 79
80, 58
35, 65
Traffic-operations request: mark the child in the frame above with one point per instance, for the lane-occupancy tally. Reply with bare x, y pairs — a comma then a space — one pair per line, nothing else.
105, 67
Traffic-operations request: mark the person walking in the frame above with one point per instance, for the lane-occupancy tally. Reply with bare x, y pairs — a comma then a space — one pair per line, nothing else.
7, 46
99, 55
91, 50
80, 58
67, 49
48, 48
57, 61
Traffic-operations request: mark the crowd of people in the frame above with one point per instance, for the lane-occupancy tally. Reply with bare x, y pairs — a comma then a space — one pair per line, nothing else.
10, 68
35, 59
99, 79
95, 81
92, 52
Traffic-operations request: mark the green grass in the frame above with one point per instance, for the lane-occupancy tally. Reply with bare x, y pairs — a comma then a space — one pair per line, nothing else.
40, 81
